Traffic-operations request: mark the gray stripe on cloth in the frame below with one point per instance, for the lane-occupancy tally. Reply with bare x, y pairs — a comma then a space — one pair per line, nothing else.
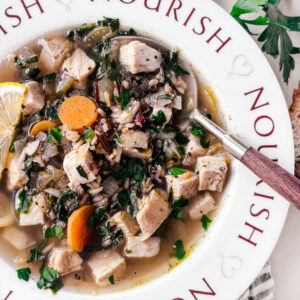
262, 286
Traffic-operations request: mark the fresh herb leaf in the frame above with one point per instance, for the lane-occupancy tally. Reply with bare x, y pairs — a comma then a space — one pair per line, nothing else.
181, 139
31, 73
160, 118
179, 250
114, 24
124, 100
35, 254
170, 61
205, 220
197, 131
80, 31
181, 202
176, 171
123, 198
128, 251
31, 166
181, 150
81, 172
56, 133
55, 231
50, 77
24, 273
89, 133
205, 142
180, 214
49, 278
91, 221
111, 279
25, 201
52, 109
170, 128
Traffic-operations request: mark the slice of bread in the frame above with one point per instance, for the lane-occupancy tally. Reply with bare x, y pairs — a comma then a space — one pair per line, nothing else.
295, 117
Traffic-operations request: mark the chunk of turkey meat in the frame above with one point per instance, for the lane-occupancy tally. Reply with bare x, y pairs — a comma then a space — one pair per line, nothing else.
137, 248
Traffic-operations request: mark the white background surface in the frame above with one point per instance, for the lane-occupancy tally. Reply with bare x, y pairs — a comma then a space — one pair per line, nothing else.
285, 260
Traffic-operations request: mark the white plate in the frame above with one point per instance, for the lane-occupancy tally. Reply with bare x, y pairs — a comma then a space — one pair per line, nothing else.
224, 265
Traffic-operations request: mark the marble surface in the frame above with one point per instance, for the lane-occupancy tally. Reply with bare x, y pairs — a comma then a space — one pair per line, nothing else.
285, 260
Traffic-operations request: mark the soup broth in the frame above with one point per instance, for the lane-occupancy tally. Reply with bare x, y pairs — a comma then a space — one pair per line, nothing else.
147, 190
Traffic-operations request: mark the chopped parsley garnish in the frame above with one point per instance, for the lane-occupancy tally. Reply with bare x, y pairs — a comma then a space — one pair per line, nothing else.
128, 251
111, 279
180, 214
197, 131
91, 221
25, 201
181, 202
49, 278
50, 77
128, 201
89, 133
124, 100
181, 139
35, 254
81, 172
179, 250
56, 133
114, 24
176, 171
160, 118
55, 231
24, 273
80, 31
170, 61
32, 60
118, 138
181, 150
205, 220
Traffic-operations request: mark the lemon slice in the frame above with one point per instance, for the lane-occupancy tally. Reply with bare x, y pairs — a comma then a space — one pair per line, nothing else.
6, 213
12, 97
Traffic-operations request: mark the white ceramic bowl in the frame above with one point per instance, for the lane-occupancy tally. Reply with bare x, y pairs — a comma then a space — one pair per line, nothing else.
251, 215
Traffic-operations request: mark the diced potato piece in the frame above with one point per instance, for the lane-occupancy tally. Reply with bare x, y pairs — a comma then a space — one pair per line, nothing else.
53, 54
211, 171
17, 238
65, 260
137, 248
154, 210
105, 264
126, 222
34, 100
201, 205
80, 157
183, 185
134, 139
139, 57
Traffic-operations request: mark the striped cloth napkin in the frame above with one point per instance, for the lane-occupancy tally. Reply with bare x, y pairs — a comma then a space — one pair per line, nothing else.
262, 286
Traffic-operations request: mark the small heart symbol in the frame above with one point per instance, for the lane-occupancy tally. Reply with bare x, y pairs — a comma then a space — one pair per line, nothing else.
230, 265
66, 3
241, 66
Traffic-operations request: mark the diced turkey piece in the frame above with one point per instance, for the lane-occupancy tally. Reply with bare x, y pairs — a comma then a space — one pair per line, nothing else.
211, 171
105, 264
34, 99
193, 151
139, 57
17, 238
80, 157
53, 54
126, 222
126, 116
183, 185
153, 211
137, 248
79, 65
134, 139
36, 212
64, 260
201, 205
137, 153
16, 176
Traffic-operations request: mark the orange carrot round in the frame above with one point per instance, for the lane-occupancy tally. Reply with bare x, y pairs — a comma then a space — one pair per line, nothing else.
79, 234
78, 112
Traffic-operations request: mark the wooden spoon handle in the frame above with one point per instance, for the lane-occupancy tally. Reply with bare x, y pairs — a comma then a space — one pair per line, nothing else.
283, 182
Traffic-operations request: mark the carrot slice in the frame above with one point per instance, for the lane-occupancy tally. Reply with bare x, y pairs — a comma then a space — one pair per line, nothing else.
42, 126
78, 112
79, 234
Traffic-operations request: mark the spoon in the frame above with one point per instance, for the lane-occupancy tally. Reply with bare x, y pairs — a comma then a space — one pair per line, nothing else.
283, 182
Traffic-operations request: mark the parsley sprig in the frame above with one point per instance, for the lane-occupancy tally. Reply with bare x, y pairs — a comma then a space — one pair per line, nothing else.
275, 38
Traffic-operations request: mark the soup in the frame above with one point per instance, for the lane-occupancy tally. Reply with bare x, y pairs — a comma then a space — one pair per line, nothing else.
107, 188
